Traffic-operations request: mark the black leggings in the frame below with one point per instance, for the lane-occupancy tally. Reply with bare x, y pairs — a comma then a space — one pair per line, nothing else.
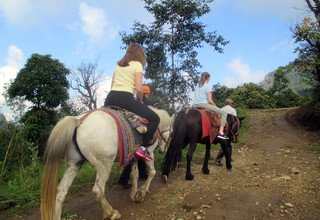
126, 100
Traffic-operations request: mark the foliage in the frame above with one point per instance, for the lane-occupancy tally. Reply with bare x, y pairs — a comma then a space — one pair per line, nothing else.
15, 150
20, 168
309, 116
171, 43
287, 98
36, 126
307, 34
22, 190
86, 80
280, 81
300, 82
280, 91
70, 108
221, 93
18, 104
252, 96
42, 81
313, 148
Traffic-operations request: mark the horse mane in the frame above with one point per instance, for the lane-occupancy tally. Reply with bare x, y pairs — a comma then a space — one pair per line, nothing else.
164, 115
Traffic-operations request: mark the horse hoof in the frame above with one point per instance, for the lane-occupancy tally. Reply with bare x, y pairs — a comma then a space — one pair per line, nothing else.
229, 168
206, 171
139, 197
115, 215
164, 178
189, 177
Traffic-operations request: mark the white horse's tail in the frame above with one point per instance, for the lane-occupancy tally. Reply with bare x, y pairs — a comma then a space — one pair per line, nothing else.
60, 138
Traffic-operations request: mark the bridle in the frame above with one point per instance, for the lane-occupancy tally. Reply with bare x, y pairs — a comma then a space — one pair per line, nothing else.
167, 141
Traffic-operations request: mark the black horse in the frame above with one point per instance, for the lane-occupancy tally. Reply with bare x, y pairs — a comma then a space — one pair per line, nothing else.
187, 129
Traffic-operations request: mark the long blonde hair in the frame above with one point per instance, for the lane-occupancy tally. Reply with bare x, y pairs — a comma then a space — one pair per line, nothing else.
203, 78
135, 52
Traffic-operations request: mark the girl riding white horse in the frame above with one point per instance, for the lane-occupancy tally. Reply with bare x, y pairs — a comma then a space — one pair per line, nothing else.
96, 141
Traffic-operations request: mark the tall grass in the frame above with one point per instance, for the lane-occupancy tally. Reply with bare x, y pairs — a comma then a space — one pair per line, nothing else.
21, 191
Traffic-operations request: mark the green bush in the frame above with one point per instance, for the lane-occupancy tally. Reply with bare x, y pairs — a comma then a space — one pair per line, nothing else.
22, 190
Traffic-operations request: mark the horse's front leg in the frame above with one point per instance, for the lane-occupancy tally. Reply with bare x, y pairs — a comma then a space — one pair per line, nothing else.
205, 168
134, 176
145, 187
191, 150
151, 174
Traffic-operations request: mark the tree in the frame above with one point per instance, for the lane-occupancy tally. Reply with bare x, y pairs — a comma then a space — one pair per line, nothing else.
42, 81
171, 43
280, 80
86, 80
307, 34
280, 91
252, 96
221, 93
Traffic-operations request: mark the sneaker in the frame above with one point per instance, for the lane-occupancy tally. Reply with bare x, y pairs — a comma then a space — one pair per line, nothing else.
222, 136
142, 152
218, 163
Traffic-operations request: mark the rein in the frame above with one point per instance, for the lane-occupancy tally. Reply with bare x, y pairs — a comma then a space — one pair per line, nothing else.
161, 135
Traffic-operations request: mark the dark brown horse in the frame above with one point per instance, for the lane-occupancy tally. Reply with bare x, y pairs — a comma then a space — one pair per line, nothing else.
187, 130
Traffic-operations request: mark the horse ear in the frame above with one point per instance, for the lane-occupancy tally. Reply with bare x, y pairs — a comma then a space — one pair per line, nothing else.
241, 118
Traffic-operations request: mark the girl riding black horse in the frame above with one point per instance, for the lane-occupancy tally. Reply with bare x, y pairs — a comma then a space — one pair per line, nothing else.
187, 130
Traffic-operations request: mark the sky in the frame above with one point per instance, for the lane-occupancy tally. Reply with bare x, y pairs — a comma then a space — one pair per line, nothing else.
76, 31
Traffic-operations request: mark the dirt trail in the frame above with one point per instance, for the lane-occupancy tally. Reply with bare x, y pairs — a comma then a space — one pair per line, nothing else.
273, 177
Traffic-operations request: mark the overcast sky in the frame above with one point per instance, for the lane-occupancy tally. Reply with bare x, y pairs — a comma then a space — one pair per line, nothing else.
76, 31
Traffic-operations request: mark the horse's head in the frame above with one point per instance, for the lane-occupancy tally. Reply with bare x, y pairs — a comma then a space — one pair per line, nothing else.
165, 136
235, 128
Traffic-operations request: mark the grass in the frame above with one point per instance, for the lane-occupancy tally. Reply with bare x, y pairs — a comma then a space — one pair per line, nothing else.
21, 191
313, 148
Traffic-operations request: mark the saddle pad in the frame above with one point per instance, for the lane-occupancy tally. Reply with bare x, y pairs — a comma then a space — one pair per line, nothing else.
129, 138
210, 124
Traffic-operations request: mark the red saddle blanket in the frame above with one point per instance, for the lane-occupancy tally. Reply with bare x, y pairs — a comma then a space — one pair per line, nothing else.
210, 123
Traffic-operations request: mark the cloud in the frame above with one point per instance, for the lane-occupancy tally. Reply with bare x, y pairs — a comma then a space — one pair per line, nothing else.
103, 90
33, 12
14, 61
17, 13
242, 73
96, 25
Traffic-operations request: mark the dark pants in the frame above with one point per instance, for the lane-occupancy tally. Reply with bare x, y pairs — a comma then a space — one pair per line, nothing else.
126, 100
221, 154
125, 176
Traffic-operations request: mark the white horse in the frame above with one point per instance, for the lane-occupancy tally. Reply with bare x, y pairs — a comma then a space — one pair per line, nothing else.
96, 140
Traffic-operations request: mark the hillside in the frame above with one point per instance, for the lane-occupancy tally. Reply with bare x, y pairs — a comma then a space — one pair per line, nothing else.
297, 82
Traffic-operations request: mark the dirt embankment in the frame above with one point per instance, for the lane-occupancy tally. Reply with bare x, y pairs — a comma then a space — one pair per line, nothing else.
273, 177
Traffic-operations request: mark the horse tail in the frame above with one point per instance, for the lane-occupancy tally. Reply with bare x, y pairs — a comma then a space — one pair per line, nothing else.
173, 154
60, 138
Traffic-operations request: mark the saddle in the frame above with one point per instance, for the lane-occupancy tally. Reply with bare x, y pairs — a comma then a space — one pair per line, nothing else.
210, 123
129, 126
